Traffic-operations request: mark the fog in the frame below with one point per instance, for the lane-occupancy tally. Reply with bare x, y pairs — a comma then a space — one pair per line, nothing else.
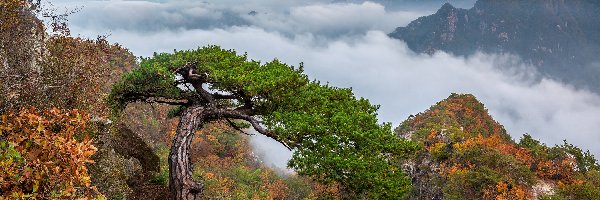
345, 44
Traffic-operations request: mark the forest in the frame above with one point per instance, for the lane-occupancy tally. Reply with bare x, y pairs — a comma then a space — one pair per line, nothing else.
86, 119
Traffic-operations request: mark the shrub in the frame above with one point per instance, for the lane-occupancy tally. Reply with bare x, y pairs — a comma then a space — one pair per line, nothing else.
40, 156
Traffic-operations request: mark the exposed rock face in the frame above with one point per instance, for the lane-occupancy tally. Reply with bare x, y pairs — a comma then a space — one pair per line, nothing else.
21, 44
130, 145
561, 38
123, 163
543, 188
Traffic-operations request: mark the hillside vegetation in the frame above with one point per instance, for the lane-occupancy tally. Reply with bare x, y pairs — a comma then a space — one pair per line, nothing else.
467, 155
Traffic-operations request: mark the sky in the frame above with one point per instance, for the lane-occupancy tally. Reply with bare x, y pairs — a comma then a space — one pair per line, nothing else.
344, 43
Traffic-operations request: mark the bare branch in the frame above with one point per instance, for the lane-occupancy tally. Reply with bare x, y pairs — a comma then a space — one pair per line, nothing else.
166, 101
154, 98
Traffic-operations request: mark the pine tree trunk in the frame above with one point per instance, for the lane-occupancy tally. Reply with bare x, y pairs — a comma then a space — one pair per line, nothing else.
181, 183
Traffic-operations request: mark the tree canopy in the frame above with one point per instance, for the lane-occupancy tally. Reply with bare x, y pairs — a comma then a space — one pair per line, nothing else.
334, 135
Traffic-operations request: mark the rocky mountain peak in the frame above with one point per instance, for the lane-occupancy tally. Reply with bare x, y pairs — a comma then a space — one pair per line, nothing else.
447, 7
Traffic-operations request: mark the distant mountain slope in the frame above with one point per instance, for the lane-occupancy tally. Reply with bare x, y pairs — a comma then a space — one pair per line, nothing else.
561, 38
466, 154
411, 4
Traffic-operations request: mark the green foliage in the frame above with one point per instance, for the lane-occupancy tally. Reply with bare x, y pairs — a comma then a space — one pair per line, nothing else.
339, 136
299, 189
470, 183
175, 112
535, 147
590, 189
585, 160
227, 72
553, 197
146, 80
162, 177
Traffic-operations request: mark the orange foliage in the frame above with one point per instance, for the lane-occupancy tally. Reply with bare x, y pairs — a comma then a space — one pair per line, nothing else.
221, 186
331, 190
562, 170
505, 191
433, 135
49, 161
496, 142
455, 168
467, 107
276, 188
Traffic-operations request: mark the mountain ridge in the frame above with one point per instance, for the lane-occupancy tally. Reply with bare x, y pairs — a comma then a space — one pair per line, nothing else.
560, 38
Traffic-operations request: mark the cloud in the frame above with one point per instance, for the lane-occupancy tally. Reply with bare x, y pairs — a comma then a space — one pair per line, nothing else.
350, 17
381, 69
287, 17
385, 71
148, 16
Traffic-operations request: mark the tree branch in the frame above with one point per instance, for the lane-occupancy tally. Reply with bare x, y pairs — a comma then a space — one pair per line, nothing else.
167, 101
188, 72
236, 127
153, 97
254, 122
224, 96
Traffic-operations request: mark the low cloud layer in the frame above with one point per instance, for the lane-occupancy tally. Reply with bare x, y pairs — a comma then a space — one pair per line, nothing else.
287, 17
381, 69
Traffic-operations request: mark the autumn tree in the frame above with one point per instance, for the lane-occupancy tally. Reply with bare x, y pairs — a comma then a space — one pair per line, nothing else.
335, 137
41, 158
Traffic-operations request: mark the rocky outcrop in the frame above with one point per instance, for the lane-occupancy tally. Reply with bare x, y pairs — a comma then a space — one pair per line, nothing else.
123, 163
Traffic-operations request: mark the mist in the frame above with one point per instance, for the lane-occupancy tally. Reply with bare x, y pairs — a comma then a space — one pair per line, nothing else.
357, 54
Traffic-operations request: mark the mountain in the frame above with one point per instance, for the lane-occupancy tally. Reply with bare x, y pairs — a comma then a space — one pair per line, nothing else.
413, 4
560, 38
466, 154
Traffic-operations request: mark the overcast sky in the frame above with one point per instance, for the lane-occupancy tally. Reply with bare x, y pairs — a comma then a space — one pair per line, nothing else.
346, 45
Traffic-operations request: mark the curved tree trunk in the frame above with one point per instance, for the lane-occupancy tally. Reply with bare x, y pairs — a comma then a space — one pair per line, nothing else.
181, 183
